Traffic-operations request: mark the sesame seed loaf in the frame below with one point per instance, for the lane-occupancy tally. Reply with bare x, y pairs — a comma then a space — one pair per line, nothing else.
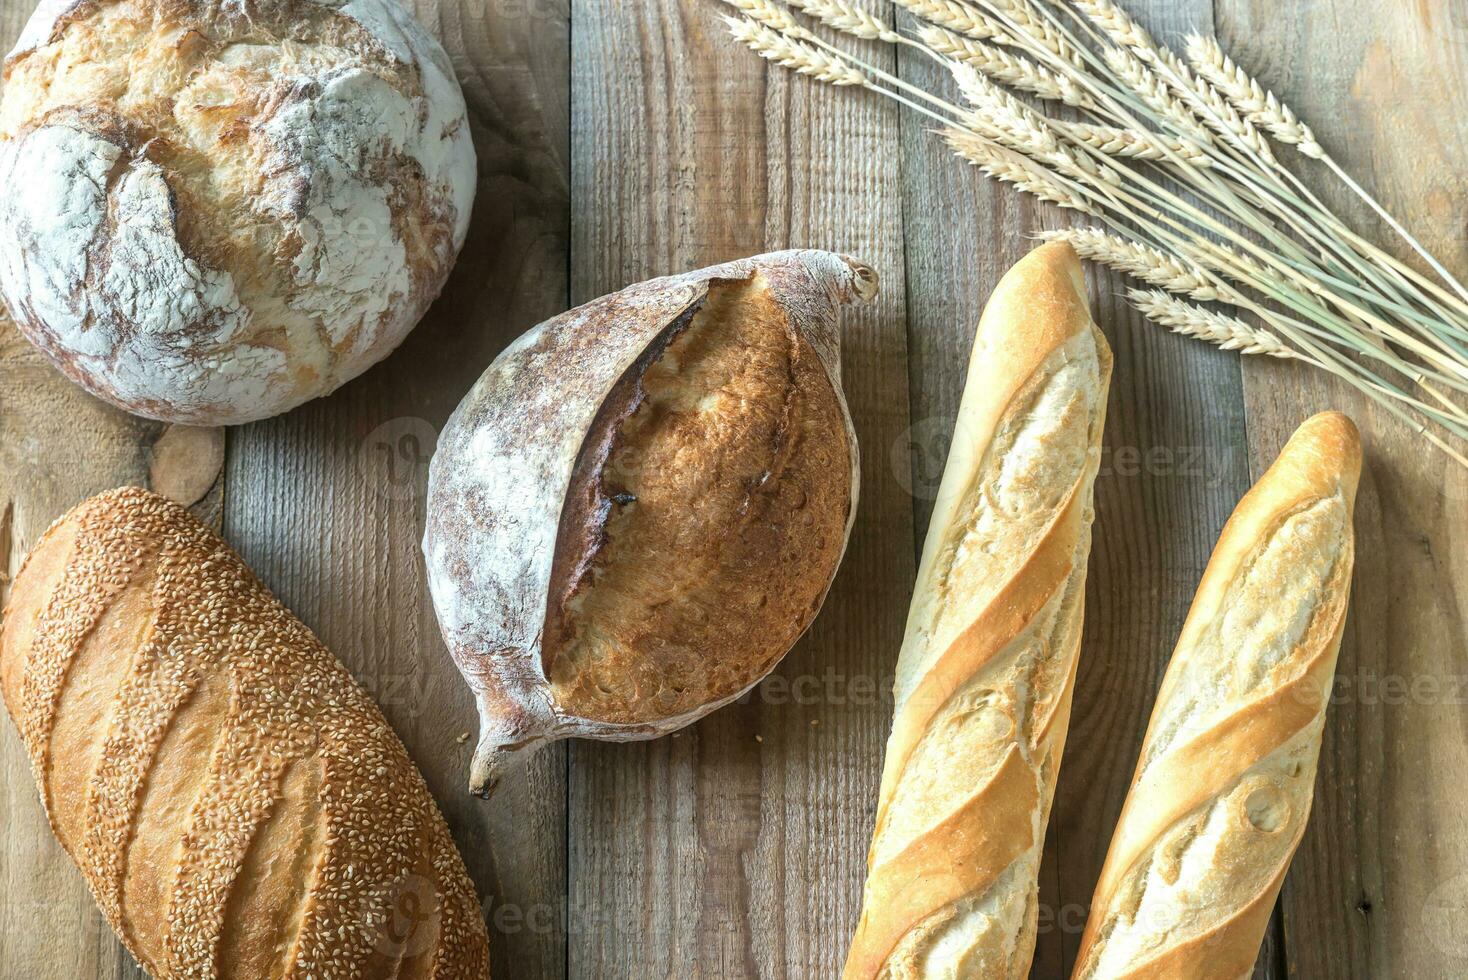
1223, 788
237, 804
988, 661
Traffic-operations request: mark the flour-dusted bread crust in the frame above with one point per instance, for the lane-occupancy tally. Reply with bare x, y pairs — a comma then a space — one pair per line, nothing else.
984, 679
238, 805
639, 507
1224, 784
222, 210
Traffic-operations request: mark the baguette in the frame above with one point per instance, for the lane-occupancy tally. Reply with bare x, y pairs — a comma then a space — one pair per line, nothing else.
237, 804
1223, 787
984, 678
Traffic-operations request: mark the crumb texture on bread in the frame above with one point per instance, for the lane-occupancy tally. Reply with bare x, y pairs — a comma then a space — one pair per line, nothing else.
728, 500
237, 804
985, 675
231, 208
1224, 783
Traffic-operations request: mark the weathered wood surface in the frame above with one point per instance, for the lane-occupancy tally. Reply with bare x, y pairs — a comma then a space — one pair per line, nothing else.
621, 139
1380, 885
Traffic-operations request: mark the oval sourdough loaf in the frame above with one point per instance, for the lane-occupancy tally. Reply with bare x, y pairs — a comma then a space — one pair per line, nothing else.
236, 802
226, 209
640, 505
1223, 787
985, 675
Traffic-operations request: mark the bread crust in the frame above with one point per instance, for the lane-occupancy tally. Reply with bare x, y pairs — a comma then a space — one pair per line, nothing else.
236, 803
985, 676
1223, 786
233, 208
574, 608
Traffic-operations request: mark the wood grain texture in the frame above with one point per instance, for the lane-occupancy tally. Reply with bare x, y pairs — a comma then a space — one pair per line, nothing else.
699, 855
1379, 888
326, 503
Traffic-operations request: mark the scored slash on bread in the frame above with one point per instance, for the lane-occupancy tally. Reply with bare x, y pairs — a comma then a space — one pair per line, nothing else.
1224, 783
985, 675
641, 504
237, 804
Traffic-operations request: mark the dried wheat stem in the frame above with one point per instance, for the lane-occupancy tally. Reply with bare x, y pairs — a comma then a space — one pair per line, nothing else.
849, 19
1006, 67
1141, 144
1257, 103
1014, 168
797, 56
1228, 332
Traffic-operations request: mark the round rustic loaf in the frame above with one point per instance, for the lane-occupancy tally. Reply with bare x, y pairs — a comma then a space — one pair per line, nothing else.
639, 507
216, 211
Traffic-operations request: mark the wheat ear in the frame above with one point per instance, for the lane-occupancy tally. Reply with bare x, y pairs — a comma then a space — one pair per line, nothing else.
1005, 118
1204, 101
1228, 332
1140, 261
1037, 28
959, 17
848, 18
1257, 103
797, 56
1006, 67
1014, 168
1140, 144
772, 15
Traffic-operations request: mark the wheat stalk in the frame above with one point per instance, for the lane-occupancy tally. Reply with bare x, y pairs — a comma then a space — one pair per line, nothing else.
1228, 332
1005, 66
1158, 128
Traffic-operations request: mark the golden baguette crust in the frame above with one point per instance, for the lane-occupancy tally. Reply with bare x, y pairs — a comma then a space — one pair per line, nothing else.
237, 804
988, 661
1223, 787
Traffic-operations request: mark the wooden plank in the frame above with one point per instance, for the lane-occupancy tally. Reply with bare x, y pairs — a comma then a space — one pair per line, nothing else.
714, 854
326, 503
1380, 885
